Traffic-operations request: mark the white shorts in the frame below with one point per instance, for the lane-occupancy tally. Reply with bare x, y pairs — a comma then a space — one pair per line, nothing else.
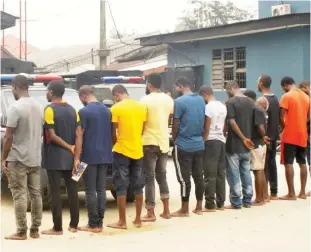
258, 158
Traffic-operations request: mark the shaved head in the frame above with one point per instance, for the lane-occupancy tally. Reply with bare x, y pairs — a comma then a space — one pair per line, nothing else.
305, 86
232, 85
205, 89
86, 90
86, 94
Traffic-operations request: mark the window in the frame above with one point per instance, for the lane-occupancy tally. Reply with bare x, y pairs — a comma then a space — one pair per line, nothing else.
228, 64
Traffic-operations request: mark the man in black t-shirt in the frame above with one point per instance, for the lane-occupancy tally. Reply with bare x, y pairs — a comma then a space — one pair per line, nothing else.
238, 146
62, 144
258, 154
273, 111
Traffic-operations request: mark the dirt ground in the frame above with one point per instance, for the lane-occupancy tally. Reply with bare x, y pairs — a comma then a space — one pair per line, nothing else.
277, 226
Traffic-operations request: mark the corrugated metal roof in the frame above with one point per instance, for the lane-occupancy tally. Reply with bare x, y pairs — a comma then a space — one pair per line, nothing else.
7, 20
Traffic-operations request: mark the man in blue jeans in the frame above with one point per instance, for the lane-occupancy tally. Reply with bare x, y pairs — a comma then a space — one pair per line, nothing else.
240, 112
97, 153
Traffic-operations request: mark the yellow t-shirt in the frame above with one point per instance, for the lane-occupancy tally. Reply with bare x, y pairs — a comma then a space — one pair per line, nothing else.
130, 116
159, 107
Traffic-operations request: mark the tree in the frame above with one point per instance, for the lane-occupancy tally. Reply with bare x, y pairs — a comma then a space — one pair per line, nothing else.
203, 14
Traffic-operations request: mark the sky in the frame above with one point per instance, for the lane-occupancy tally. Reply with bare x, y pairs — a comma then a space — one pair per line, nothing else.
53, 23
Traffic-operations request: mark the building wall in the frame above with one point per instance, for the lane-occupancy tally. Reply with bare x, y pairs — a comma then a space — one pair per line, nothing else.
264, 7
276, 53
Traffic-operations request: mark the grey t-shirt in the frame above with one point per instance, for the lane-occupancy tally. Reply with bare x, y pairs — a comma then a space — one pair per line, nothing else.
26, 116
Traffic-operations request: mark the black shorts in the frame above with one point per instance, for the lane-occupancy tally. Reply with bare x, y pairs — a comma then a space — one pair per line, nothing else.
290, 151
127, 171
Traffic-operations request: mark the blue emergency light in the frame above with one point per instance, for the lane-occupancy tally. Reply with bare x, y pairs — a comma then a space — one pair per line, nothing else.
7, 77
120, 79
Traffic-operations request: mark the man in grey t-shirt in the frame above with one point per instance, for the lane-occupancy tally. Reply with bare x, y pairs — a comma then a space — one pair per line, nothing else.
21, 157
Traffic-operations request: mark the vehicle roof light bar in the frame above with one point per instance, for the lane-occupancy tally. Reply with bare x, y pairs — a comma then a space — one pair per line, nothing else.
31, 77
122, 79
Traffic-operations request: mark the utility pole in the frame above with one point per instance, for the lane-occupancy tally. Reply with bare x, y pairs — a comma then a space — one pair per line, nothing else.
20, 29
25, 30
3, 41
103, 51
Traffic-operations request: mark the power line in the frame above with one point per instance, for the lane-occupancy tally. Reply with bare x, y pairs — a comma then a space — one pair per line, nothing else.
115, 26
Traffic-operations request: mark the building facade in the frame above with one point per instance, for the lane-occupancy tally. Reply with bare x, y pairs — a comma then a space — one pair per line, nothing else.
274, 45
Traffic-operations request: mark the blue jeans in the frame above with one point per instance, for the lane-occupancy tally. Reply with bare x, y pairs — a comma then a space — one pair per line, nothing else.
238, 170
95, 193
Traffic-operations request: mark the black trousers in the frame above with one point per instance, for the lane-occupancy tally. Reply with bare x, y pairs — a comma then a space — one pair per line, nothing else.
54, 177
271, 171
187, 164
214, 167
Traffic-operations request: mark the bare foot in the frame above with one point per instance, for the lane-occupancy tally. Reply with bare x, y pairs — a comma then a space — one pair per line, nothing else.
180, 213
148, 218
165, 215
73, 230
198, 211
302, 196
117, 225
34, 235
51, 232
233, 207
257, 203
137, 223
206, 210
87, 228
288, 197
16, 237
274, 198
267, 200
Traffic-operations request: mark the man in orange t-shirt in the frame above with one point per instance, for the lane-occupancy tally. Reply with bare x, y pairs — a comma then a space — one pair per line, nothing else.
294, 116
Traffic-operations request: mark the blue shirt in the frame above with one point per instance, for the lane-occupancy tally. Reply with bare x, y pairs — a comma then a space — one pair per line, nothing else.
190, 110
97, 141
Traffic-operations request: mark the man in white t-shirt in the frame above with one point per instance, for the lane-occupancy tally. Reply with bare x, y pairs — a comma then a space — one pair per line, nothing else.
160, 107
215, 151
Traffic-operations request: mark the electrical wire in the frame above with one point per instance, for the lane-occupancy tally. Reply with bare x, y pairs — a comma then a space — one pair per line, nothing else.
115, 26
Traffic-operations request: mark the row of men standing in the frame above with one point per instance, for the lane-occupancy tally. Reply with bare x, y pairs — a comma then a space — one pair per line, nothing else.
137, 160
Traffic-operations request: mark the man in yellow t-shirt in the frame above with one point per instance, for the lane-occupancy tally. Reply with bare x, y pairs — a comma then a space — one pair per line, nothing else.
128, 118
156, 145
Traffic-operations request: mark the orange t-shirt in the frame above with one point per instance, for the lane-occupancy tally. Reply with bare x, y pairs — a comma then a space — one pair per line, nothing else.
297, 104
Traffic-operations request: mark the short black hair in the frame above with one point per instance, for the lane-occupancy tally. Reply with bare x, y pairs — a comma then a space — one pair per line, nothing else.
206, 89
251, 94
57, 87
21, 82
266, 81
119, 89
155, 80
183, 81
287, 81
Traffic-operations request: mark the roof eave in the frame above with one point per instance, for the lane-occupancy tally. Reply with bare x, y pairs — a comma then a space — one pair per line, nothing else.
7, 20
229, 30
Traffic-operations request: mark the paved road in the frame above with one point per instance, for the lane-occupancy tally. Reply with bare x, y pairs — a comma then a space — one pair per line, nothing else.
278, 226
